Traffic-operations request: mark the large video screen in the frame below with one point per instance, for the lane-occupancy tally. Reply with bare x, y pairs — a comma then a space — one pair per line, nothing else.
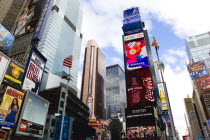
204, 83
136, 55
140, 89
141, 132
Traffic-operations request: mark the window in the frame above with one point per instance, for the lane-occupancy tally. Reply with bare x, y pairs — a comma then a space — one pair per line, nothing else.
53, 122
61, 104
60, 112
63, 95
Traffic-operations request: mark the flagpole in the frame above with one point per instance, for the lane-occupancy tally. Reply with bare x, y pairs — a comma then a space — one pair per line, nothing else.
167, 98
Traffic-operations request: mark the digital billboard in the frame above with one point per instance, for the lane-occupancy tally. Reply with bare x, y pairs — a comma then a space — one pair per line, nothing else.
204, 83
197, 69
6, 39
140, 116
140, 89
136, 55
15, 72
132, 21
33, 116
162, 96
186, 138
4, 61
35, 68
66, 127
134, 36
29, 17
10, 107
141, 132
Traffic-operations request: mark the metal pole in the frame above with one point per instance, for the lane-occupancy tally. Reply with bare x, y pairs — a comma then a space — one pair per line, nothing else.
167, 98
64, 108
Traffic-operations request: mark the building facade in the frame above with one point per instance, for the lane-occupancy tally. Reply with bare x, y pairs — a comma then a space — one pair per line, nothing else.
115, 92
198, 47
62, 37
193, 118
205, 100
93, 80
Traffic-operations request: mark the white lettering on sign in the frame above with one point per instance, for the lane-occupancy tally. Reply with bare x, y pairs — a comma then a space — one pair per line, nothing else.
134, 36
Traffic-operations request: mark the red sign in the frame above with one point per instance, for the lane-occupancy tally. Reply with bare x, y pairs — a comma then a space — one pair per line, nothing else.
23, 126
186, 138
204, 83
140, 87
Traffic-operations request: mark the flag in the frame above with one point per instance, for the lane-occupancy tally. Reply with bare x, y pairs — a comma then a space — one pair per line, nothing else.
154, 43
68, 61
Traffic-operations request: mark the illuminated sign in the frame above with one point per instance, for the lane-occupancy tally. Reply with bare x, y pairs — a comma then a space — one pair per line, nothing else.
134, 36
6, 39
4, 61
197, 69
162, 96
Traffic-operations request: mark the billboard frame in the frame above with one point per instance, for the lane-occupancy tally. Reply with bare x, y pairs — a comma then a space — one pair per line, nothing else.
17, 132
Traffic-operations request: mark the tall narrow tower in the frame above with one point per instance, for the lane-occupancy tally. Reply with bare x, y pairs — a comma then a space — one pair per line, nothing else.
93, 82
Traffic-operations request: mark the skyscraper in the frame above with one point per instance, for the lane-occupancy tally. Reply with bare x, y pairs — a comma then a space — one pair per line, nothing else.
115, 91
61, 38
198, 47
93, 80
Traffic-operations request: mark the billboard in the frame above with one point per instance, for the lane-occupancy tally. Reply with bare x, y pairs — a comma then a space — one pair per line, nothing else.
140, 88
197, 69
140, 116
3, 134
132, 21
204, 83
6, 39
33, 116
134, 36
10, 107
66, 126
29, 18
141, 132
162, 96
15, 72
136, 55
186, 138
35, 68
4, 61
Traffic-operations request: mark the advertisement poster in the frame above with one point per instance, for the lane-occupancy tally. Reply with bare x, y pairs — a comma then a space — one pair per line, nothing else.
3, 134
162, 96
66, 127
136, 55
15, 72
4, 61
6, 39
140, 116
132, 21
186, 138
140, 87
197, 69
204, 83
134, 36
29, 18
141, 132
34, 73
10, 107
33, 116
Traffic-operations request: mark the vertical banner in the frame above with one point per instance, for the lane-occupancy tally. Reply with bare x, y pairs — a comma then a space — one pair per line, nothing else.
10, 107
66, 126
162, 96
34, 72
33, 116
4, 61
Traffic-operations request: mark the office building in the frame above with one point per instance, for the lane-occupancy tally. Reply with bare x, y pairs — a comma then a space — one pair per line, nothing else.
198, 47
93, 80
205, 100
193, 118
61, 38
115, 92
10, 11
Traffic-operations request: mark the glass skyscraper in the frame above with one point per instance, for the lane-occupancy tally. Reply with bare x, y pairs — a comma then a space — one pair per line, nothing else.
115, 91
61, 38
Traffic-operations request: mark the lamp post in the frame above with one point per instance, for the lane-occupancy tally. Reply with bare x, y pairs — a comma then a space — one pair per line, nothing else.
68, 78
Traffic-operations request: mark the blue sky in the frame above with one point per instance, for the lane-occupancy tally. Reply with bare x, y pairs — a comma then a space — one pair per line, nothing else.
169, 21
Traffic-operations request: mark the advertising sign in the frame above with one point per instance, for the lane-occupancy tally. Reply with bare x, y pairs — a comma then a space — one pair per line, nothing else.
141, 132
186, 138
15, 72
6, 39
132, 21
33, 116
29, 18
197, 69
162, 96
140, 87
10, 107
66, 126
204, 83
134, 36
43, 20
140, 116
3, 134
136, 55
4, 61
35, 69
